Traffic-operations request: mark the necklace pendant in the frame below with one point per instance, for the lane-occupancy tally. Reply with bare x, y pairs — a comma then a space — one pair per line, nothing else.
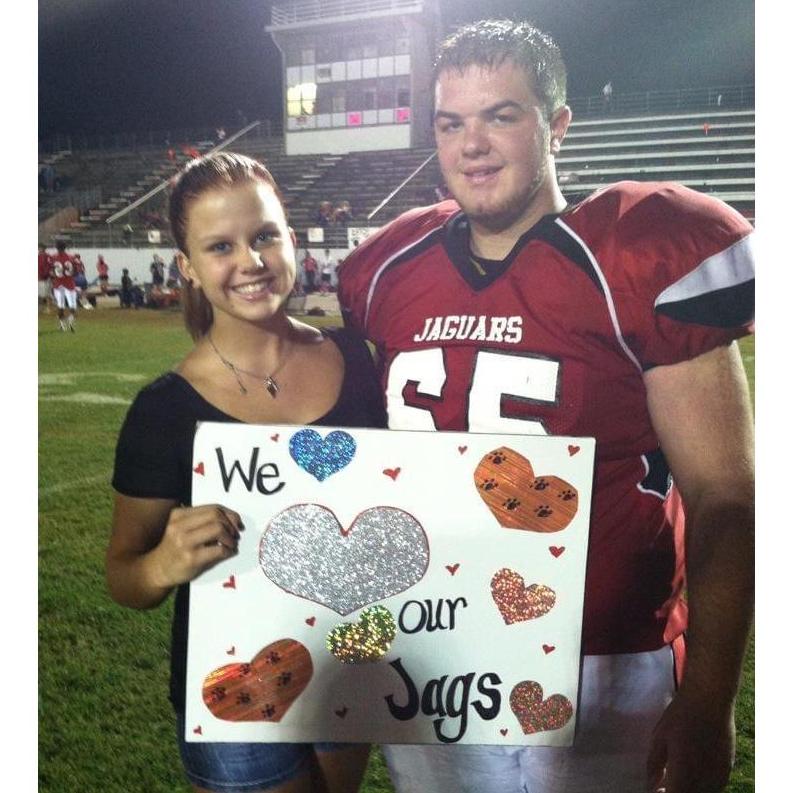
271, 386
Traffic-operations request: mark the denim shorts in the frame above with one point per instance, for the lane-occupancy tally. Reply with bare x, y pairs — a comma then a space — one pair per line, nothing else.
245, 767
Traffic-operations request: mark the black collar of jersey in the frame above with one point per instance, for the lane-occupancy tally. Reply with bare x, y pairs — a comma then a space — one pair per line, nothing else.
476, 271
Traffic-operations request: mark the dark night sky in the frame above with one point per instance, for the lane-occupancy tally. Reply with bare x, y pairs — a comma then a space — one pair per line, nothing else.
122, 65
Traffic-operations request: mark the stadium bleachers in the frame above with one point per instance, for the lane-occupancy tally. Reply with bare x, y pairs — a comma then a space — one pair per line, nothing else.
711, 152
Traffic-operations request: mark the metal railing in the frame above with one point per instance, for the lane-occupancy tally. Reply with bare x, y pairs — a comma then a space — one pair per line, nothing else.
297, 11
678, 100
161, 139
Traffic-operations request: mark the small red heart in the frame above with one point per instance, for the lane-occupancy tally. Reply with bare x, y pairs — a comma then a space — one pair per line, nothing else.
462, 449
504, 731
452, 568
392, 472
231, 583
232, 650
556, 550
571, 450
310, 621
342, 712
199, 469
274, 437
198, 730
548, 648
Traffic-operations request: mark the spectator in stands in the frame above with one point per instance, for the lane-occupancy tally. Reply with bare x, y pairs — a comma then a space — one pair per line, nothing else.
310, 270
157, 269
45, 292
127, 231
324, 216
343, 213
441, 192
103, 273
220, 134
172, 154
608, 89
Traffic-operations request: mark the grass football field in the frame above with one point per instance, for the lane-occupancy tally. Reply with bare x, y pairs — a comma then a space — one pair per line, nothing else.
104, 720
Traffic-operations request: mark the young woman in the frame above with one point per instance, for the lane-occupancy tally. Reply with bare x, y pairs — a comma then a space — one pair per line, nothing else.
251, 363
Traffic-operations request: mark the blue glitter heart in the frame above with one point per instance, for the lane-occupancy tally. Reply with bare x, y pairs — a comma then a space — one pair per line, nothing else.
319, 457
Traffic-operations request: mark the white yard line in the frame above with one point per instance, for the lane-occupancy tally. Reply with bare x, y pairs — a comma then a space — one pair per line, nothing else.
81, 482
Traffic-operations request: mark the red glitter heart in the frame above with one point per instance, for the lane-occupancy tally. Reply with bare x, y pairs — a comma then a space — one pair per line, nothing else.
231, 583
504, 731
274, 437
548, 648
199, 469
392, 472
198, 730
536, 714
517, 602
232, 650
571, 450
342, 712
519, 499
262, 690
462, 449
556, 550
453, 568
310, 621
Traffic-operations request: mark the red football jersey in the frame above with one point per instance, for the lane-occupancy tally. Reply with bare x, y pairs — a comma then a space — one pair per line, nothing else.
554, 340
45, 262
62, 270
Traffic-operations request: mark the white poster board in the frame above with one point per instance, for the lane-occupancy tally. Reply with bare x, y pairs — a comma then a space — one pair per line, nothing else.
390, 587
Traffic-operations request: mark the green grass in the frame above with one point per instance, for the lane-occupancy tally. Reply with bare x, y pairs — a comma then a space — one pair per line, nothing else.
104, 720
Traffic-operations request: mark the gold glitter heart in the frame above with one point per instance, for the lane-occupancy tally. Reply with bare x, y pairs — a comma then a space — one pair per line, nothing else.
364, 641
536, 714
518, 602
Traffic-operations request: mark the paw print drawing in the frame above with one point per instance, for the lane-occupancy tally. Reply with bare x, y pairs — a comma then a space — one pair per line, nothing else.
543, 511
243, 698
489, 484
218, 694
566, 495
511, 504
245, 669
496, 458
284, 678
540, 483
273, 658
268, 711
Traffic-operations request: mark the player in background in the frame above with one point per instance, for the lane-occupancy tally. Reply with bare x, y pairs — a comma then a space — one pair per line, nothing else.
45, 292
62, 272
507, 310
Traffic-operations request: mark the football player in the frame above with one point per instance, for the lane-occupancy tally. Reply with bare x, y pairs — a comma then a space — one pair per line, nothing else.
63, 268
505, 310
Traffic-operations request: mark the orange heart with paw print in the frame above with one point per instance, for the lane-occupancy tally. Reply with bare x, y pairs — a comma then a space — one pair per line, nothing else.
262, 690
518, 499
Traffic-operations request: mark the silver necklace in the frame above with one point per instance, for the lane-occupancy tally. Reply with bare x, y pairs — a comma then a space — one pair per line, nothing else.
268, 381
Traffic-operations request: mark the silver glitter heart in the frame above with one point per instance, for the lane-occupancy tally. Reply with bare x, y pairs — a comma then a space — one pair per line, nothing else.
306, 551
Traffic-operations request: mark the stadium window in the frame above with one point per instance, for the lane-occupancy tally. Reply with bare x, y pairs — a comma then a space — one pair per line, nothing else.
324, 99
355, 96
339, 101
324, 73
385, 93
300, 100
403, 97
